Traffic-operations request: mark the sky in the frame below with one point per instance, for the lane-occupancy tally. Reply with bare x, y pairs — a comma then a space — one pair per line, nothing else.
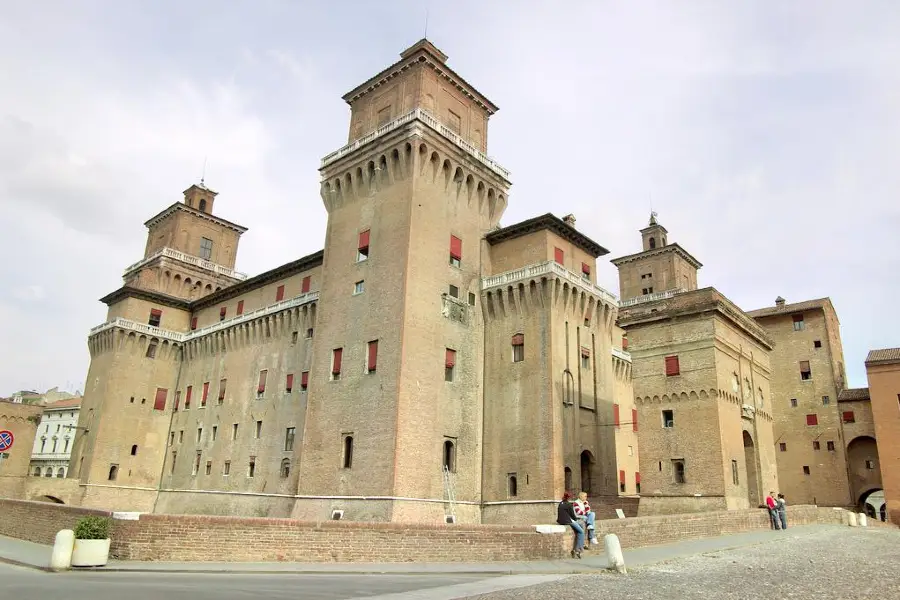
765, 135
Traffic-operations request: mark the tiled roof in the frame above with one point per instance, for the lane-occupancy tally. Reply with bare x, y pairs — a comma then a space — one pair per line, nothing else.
886, 355
789, 308
554, 224
67, 403
853, 394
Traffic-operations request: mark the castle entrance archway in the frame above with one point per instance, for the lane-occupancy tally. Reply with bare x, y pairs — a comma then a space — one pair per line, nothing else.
587, 463
750, 469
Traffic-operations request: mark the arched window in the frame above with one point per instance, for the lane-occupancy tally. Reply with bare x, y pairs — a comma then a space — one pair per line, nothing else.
285, 468
60, 473
134, 450
568, 480
652, 243
113, 472
48, 472
202, 205
679, 471
37, 472
450, 456
512, 486
348, 452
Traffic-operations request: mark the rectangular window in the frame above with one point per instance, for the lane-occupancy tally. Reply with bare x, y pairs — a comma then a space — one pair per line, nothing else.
829, 446
206, 248
805, 373
453, 121
870, 464
453, 291
518, 347
634, 419
234, 431
359, 287
151, 350
734, 473
336, 357
187, 397
812, 419
672, 366
181, 436
637, 481
215, 432
155, 317
372, 360
160, 402
258, 429
616, 415
172, 439
174, 458
222, 312
261, 388
783, 446
196, 468
193, 323
304, 381
204, 395
289, 439
848, 416
826, 400
678, 471
251, 467
558, 255
279, 293
226, 468
668, 419
793, 403
806, 469
799, 325
208, 467
222, 383
816, 445
304, 285
240, 307
455, 251
586, 270
471, 299
817, 343
289, 384
621, 481
585, 358
449, 364
362, 252
199, 434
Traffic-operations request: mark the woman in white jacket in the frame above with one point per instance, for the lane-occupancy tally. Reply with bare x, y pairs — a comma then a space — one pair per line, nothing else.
584, 512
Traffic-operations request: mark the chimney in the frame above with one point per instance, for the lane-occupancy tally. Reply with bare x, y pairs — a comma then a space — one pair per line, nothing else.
779, 301
569, 220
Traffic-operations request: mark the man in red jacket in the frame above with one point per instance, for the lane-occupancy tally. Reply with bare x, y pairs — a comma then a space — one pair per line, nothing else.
773, 511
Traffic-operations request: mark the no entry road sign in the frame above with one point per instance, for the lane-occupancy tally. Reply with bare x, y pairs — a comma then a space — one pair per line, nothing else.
6, 440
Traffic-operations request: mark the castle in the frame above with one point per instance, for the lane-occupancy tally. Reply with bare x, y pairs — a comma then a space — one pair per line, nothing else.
429, 365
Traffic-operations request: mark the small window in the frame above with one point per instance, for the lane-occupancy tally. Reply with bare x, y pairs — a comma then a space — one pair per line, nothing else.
793, 403
559, 256
215, 432
155, 317
512, 485
449, 364
848, 417
829, 446
336, 359
678, 470
134, 450
668, 419
652, 243
518, 347
223, 311
826, 400
362, 252
309, 333
782, 446
193, 323
159, 403
174, 458
816, 445
455, 251
279, 293
870, 464
261, 387
735, 479
222, 385
347, 460
294, 336
806, 469
172, 438
304, 381
304, 284
799, 325
372, 356
151, 349
453, 291
672, 366
285, 468
205, 394
234, 431
258, 429
113, 472
206, 248
471, 299
817, 344
181, 436
199, 434
226, 468
585, 358
622, 481
289, 439
449, 456
586, 271
251, 468
805, 373
208, 467
812, 419
289, 383
637, 482
359, 287
240, 307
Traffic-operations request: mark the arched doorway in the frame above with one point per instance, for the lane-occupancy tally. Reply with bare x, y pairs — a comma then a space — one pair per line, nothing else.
750, 469
863, 467
872, 504
587, 462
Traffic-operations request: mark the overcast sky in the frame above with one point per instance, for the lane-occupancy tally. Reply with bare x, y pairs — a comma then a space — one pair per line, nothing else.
766, 135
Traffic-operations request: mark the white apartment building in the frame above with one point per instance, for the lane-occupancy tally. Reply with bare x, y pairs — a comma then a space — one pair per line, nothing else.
53, 442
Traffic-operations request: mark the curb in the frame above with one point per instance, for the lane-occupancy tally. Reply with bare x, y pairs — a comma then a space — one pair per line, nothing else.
493, 573
18, 563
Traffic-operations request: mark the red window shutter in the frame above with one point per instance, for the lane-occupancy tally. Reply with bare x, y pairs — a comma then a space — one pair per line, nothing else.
304, 380
187, 396
621, 476
290, 382
455, 247
624, 343
373, 354
585, 352
262, 381
304, 286
634, 419
364, 240
222, 389
586, 268
812, 419
518, 339
616, 414
177, 400
450, 361
279, 293
160, 402
205, 394
337, 354
637, 478
672, 367
193, 323
849, 417
155, 312
558, 255
240, 308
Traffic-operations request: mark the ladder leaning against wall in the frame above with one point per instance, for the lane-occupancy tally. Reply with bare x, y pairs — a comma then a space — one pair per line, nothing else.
449, 495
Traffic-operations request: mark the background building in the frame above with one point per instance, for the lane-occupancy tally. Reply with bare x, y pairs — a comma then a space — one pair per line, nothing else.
883, 373
21, 421
53, 442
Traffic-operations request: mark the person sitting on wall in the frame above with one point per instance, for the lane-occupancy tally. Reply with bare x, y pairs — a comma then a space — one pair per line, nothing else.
587, 517
771, 506
565, 515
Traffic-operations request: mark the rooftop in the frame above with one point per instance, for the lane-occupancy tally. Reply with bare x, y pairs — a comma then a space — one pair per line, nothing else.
885, 356
853, 394
67, 403
554, 224
661, 250
781, 309
181, 206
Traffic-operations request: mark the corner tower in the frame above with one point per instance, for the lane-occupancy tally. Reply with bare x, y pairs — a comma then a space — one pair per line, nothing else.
395, 391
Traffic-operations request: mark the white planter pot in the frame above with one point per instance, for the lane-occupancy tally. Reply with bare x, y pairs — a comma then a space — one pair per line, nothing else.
90, 553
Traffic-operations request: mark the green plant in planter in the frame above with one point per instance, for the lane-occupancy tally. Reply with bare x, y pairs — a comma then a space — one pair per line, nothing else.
92, 528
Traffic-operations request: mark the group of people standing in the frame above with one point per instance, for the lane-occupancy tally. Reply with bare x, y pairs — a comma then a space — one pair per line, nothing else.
579, 516
777, 510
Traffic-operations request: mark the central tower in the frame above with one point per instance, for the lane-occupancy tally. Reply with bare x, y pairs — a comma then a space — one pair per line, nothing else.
394, 418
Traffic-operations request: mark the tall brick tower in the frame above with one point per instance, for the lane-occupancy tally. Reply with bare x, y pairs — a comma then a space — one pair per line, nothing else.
136, 354
394, 417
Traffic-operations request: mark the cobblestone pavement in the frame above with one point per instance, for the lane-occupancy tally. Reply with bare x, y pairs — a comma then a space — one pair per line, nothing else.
845, 563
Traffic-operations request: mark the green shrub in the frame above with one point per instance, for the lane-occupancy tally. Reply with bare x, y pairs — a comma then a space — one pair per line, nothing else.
92, 528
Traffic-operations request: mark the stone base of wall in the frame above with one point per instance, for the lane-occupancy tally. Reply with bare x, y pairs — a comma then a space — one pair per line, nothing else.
52, 489
679, 505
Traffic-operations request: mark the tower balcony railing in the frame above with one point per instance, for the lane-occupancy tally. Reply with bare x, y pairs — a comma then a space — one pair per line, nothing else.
546, 268
189, 259
177, 336
621, 355
427, 118
652, 297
